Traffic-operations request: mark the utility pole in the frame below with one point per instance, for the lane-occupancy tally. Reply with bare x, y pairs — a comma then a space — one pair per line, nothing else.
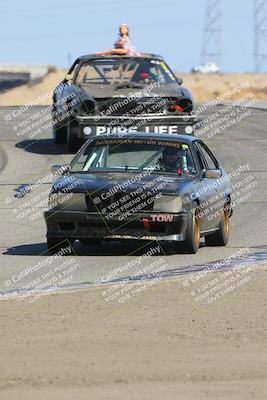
211, 49
260, 34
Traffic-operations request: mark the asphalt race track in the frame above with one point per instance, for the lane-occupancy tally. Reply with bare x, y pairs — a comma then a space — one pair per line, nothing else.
23, 243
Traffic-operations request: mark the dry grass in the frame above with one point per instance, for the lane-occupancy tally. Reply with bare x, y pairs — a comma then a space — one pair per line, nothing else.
203, 87
32, 92
207, 87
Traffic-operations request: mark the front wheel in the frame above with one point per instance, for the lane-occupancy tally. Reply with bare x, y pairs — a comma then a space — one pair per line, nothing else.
192, 235
220, 237
74, 142
59, 134
192, 241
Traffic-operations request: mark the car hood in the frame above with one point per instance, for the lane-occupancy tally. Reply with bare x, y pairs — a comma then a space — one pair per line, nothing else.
100, 182
104, 91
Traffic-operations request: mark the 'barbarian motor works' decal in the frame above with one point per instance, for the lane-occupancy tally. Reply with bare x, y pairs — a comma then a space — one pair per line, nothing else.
152, 142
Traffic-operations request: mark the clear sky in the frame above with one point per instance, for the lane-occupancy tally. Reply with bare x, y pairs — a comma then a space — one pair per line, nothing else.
45, 32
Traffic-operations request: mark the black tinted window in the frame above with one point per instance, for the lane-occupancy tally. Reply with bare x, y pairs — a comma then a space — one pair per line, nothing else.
207, 157
115, 71
200, 156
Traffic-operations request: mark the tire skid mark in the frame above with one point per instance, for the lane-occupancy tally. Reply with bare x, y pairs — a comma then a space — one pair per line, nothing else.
250, 259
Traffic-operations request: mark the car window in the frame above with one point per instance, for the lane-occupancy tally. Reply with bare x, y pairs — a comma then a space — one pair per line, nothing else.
111, 72
200, 156
211, 160
207, 157
135, 154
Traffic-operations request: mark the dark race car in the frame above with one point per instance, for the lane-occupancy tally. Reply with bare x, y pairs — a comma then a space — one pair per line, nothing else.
165, 188
119, 94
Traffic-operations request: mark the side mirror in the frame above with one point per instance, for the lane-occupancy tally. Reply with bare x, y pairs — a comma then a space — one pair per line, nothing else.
59, 168
180, 81
212, 173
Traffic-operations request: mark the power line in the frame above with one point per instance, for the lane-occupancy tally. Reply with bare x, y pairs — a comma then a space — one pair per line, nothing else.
260, 34
211, 49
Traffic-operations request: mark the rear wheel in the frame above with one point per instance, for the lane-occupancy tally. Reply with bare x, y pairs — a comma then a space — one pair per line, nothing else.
74, 142
56, 245
220, 237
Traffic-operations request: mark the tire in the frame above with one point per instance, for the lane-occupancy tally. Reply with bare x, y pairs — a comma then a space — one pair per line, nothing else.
91, 241
74, 142
3, 159
191, 243
220, 237
59, 134
54, 245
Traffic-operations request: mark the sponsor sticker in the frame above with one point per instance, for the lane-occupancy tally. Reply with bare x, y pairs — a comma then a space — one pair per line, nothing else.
161, 218
166, 69
170, 129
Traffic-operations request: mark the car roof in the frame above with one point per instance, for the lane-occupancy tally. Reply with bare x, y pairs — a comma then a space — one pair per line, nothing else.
150, 136
118, 57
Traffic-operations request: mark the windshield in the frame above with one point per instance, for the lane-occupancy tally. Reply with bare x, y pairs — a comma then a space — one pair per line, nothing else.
135, 154
113, 72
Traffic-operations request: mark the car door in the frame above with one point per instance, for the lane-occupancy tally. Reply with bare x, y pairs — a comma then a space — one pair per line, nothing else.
214, 186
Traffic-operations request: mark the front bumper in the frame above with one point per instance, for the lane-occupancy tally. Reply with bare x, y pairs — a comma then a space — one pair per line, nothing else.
149, 123
143, 226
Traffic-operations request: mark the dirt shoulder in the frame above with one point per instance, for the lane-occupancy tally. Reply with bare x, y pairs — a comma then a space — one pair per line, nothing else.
160, 344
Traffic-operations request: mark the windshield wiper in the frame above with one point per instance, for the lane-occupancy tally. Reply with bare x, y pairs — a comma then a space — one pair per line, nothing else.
129, 85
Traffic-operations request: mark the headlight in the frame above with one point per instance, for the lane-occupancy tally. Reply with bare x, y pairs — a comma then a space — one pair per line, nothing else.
87, 130
67, 201
166, 203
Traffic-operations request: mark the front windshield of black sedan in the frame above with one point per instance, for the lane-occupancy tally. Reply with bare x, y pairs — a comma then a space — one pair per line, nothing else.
135, 154
117, 71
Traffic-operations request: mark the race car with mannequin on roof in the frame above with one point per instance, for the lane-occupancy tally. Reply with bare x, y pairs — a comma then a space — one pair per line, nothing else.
106, 94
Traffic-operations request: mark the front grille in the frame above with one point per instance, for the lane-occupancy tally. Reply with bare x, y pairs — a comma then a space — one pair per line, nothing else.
122, 106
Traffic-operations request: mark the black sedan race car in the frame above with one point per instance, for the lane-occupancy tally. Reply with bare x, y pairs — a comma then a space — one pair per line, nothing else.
119, 94
168, 188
